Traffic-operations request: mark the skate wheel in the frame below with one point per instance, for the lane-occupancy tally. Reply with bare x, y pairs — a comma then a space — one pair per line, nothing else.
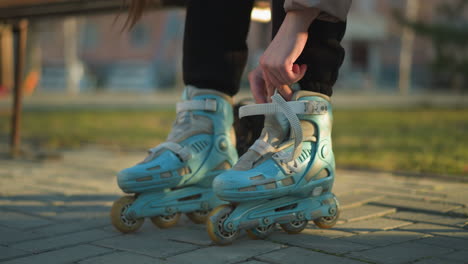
294, 227
260, 232
165, 221
118, 218
326, 222
215, 225
198, 217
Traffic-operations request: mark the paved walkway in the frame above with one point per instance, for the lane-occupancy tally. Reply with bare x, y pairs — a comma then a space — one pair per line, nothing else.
56, 211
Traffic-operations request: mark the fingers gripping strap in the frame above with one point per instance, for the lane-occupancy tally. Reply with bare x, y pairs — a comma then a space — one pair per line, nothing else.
180, 151
294, 122
190, 105
298, 107
290, 110
262, 147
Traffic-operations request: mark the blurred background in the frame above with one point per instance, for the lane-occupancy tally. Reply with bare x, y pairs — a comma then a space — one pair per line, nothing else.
401, 98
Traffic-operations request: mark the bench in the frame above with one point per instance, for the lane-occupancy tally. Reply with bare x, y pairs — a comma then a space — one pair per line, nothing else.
17, 13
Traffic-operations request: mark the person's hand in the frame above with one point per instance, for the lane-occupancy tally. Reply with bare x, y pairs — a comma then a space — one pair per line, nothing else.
277, 69
258, 85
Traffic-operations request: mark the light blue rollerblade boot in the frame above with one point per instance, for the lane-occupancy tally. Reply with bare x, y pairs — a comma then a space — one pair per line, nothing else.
287, 175
176, 177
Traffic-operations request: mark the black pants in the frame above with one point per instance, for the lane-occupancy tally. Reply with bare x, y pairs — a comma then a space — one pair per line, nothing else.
215, 49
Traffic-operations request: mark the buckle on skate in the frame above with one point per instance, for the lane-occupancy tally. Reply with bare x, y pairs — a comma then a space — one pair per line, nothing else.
315, 108
191, 105
182, 152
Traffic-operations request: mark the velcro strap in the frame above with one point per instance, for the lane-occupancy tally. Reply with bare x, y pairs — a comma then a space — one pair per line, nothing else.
262, 147
191, 105
179, 150
298, 107
294, 122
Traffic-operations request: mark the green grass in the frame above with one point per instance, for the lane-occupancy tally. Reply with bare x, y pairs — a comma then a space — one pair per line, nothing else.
412, 140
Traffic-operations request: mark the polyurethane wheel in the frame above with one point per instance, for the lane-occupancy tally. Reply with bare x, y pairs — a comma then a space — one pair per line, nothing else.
261, 232
215, 225
326, 222
295, 226
198, 217
165, 221
118, 215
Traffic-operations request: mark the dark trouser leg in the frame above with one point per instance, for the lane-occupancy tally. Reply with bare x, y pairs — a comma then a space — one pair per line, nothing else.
215, 48
323, 52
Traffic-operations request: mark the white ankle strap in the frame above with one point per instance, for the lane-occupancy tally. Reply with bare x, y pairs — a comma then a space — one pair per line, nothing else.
298, 107
176, 148
191, 105
290, 110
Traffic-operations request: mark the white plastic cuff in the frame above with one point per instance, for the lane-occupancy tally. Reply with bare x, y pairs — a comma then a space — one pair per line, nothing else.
191, 105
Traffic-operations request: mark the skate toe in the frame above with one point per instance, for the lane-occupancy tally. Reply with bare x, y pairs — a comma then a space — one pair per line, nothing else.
238, 186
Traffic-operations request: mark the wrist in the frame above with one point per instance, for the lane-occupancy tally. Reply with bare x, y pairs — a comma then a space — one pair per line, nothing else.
300, 20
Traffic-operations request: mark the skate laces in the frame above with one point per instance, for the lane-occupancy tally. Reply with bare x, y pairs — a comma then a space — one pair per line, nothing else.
290, 110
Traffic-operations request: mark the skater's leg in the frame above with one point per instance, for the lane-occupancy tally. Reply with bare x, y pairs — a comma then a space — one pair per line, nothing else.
215, 49
322, 53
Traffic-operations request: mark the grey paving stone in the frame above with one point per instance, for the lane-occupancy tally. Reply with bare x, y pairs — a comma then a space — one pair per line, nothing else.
350, 200
8, 252
44, 211
297, 255
385, 238
428, 218
438, 230
395, 189
432, 193
240, 250
400, 253
148, 243
61, 241
14, 202
334, 246
434, 260
121, 258
22, 221
416, 205
329, 233
365, 212
71, 227
187, 235
9, 235
447, 242
461, 256
458, 194
253, 262
372, 225
66, 255
82, 216
460, 211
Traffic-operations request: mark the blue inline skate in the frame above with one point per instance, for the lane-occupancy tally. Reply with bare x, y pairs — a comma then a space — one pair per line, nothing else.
285, 178
176, 176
